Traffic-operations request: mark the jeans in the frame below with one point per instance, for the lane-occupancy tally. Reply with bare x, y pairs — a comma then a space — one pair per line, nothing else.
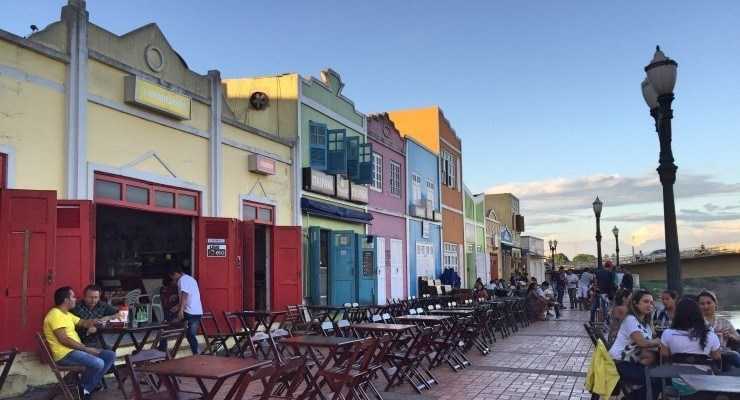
561, 294
192, 330
730, 359
634, 373
599, 301
572, 297
95, 366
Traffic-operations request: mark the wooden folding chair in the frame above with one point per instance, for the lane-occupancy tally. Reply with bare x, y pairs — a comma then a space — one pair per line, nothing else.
239, 334
353, 373
134, 362
68, 377
164, 336
6, 361
216, 339
295, 324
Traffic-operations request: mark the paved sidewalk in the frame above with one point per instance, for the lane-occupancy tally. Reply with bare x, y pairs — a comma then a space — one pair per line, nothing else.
547, 360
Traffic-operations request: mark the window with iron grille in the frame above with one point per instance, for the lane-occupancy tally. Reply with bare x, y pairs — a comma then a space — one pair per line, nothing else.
450, 256
416, 189
449, 169
395, 178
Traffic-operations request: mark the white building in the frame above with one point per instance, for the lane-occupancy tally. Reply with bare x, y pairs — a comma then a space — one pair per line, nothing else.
533, 254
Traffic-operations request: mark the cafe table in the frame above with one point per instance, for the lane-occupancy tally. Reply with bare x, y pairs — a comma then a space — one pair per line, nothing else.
312, 344
211, 368
714, 384
120, 332
453, 312
422, 319
263, 321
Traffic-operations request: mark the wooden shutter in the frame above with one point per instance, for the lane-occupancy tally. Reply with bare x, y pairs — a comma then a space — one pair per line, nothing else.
318, 146
353, 157
365, 169
336, 151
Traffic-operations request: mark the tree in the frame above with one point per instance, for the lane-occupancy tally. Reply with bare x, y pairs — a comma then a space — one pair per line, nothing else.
561, 259
584, 259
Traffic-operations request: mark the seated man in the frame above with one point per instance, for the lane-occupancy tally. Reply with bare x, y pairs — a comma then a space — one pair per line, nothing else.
550, 298
91, 308
66, 347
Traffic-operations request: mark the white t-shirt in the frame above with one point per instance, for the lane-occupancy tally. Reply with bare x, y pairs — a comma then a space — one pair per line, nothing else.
572, 281
623, 344
680, 342
586, 279
187, 284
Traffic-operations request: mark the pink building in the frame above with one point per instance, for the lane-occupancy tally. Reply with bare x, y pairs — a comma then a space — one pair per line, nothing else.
387, 204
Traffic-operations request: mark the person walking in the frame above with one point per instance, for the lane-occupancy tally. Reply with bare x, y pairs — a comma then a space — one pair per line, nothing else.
605, 289
628, 282
572, 281
584, 284
561, 283
190, 308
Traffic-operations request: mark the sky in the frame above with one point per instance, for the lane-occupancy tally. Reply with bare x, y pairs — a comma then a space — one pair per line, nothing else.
544, 94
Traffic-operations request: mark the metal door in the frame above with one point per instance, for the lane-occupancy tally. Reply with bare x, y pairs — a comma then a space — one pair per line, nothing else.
367, 271
397, 271
28, 221
382, 268
285, 275
342, 267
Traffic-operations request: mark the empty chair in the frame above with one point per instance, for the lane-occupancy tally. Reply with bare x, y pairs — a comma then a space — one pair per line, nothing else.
6, 361
157, 308
344, 329
163, 338
327, 328
134, 362
215, 338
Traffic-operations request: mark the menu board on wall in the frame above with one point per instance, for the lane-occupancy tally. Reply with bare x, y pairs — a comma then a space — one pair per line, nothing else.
216, 248
368, 267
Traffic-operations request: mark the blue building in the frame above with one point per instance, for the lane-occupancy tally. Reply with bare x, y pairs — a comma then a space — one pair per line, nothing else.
424, 217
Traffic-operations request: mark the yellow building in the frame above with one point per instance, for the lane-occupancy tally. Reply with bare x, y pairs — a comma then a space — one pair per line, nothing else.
117, 161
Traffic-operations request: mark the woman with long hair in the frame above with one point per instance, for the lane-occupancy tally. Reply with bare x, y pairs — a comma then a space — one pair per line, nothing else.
722, 327
664, 317
633, 347
617, 314
689, 333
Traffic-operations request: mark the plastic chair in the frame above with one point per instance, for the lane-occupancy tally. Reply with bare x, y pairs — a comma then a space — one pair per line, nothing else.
157, 308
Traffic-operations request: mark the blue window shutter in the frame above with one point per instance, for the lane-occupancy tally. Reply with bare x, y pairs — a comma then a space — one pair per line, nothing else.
336, 151
318, 145
353, 157
365, 169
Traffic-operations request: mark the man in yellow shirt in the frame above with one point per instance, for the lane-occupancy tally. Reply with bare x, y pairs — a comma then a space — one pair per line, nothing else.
65, 345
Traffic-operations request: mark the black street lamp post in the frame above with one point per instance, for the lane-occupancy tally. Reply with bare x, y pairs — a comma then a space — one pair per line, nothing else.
657, 89
615, 231
553, 245
597, 211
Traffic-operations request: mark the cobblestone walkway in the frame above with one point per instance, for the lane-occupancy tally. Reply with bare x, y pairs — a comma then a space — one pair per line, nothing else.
547, 360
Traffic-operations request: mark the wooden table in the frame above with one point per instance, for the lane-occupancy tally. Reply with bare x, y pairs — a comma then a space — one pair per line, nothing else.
203, 368
422, 319
311, 344
714, 384
453, 312
122, 331
381, 327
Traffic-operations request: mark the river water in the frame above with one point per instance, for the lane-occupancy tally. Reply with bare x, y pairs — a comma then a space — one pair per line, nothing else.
734, 317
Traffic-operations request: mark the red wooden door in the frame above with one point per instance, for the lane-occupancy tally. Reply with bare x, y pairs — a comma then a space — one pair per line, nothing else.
248, 263
219, 270
27, 236
286, 267
75, 245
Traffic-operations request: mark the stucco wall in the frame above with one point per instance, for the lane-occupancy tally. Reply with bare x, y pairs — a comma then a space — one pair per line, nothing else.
421, 123
390, 227
415, 236
281, 114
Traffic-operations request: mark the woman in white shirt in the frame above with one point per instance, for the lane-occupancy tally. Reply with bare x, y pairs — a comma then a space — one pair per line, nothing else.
689, 333
633, 347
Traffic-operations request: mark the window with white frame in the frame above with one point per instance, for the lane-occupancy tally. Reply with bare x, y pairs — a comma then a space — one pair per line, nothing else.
416, 189
450, 256
430, 191
377, 172
449, 169
395, 178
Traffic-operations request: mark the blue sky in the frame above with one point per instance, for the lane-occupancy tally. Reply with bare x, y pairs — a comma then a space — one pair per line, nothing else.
545, 95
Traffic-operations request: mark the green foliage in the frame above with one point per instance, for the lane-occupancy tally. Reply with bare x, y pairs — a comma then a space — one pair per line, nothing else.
584, 259
561, 259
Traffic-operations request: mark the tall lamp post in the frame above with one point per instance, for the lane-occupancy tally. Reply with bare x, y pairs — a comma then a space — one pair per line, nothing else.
657, 90
615, 231
597, 211
553, 245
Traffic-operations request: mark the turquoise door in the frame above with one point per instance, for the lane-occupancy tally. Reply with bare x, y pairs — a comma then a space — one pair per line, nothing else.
317, 282
342, 265
367, 277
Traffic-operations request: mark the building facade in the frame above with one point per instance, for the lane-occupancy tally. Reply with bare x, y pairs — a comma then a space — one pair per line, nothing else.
429, 127
533, 252
506, 207
424, 228
118, 161
387, 205
493, 242
477, 264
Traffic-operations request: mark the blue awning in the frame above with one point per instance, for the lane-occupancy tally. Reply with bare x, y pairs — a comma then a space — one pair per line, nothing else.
315, 207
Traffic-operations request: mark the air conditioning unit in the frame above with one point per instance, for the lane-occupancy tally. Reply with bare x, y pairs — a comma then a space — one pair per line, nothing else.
437, 216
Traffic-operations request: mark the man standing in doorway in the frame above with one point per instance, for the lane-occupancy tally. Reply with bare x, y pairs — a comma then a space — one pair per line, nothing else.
190, 308
65, 345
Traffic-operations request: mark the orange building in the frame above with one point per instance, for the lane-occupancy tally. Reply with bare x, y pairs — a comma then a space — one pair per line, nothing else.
430, 127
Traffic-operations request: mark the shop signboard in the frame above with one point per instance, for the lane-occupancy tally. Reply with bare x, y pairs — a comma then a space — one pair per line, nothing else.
342, 188
506, 236
148, 94
260, 164
317, 181
358, 193
216, 248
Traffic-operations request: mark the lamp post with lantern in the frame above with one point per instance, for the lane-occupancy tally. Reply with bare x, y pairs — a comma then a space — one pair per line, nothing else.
598, 204
615, 231
553, 245
657, 90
